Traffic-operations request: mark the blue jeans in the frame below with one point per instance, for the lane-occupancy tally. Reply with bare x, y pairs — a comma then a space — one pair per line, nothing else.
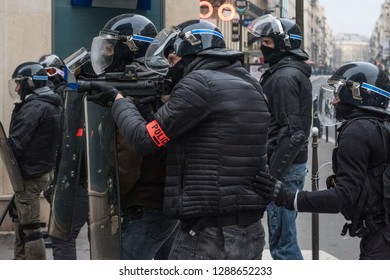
283, 243
144, 232
226, 243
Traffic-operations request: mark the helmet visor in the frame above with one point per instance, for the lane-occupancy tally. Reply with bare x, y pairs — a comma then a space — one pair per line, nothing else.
51, 61
102, 53
326, 110
77, 59
155, 57
13, 88
264, 26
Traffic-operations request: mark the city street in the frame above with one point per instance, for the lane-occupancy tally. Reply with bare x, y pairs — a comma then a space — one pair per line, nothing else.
331, 244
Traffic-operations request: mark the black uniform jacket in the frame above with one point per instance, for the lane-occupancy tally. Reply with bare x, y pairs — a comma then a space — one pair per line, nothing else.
217, 122
359, 146
289, 91
34, 132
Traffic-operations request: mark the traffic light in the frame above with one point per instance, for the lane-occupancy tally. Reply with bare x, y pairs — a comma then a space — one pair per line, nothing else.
235, 30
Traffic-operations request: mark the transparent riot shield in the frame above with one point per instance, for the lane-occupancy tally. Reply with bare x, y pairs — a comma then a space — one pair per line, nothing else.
10, 162
67, 176
103, 190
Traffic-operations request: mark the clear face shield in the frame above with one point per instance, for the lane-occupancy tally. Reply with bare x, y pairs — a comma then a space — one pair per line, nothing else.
76, 60
267, 25
156, 58
326, 109
13, 89
264, 26
103, 48
102, 51
15, 85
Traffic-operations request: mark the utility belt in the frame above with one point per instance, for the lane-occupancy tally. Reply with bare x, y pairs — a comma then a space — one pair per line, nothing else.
133, 211
138, 210
366, 226
193, 225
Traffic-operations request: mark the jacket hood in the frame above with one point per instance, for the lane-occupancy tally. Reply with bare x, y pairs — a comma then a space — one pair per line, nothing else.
292, 61
222, 52
47, 95
213, 59
299, 53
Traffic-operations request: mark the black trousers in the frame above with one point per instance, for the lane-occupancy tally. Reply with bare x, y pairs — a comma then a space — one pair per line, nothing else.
66, 249
376, 246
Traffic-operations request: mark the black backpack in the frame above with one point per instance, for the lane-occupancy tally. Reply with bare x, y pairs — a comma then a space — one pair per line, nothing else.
380, 185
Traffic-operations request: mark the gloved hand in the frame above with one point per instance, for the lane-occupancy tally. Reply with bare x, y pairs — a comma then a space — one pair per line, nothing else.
331, 181
104, 96
145, 107
272, 189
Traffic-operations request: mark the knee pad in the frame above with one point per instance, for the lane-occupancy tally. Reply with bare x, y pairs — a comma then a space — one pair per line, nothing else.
34, 235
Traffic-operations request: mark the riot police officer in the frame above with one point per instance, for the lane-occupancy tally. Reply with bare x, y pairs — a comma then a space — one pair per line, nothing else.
34, 137
357, 95
55, 69
65, 248
215, 112
288, 88
121, 45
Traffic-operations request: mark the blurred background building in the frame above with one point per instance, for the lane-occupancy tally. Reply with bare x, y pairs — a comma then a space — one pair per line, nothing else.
380, 39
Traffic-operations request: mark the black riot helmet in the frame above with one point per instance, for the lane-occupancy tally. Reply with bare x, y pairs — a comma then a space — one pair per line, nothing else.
286, 33
25, 79
54, 66
123, 39
357, 85
185, 39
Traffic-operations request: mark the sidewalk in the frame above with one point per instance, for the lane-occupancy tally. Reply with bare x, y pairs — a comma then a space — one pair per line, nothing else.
7, 239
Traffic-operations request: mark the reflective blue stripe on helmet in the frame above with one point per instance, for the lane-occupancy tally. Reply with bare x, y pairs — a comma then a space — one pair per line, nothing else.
376, 89
42, 78
72, 86
207, 31
296, 37
142, 38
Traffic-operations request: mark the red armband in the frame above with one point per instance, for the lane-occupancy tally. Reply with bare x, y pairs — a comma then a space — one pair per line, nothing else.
156, 133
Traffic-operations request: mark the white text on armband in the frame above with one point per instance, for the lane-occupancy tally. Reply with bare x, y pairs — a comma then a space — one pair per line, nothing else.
156, 133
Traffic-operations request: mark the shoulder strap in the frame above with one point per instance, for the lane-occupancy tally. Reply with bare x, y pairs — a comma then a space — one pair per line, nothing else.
385, 132
348, 122
384, 126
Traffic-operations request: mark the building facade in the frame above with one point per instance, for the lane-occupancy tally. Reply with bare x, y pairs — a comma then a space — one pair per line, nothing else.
380, 39
349, 48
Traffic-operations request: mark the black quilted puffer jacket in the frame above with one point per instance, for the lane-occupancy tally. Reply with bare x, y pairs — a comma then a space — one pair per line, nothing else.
34, 132
217, 123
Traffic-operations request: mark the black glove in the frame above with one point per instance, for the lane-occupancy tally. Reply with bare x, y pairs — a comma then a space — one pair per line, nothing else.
104, 95
272, 189
331, 181
145, 107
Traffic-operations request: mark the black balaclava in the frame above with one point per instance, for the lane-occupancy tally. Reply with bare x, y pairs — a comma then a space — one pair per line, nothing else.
272, 55
122, 57
176, 72
344, 111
